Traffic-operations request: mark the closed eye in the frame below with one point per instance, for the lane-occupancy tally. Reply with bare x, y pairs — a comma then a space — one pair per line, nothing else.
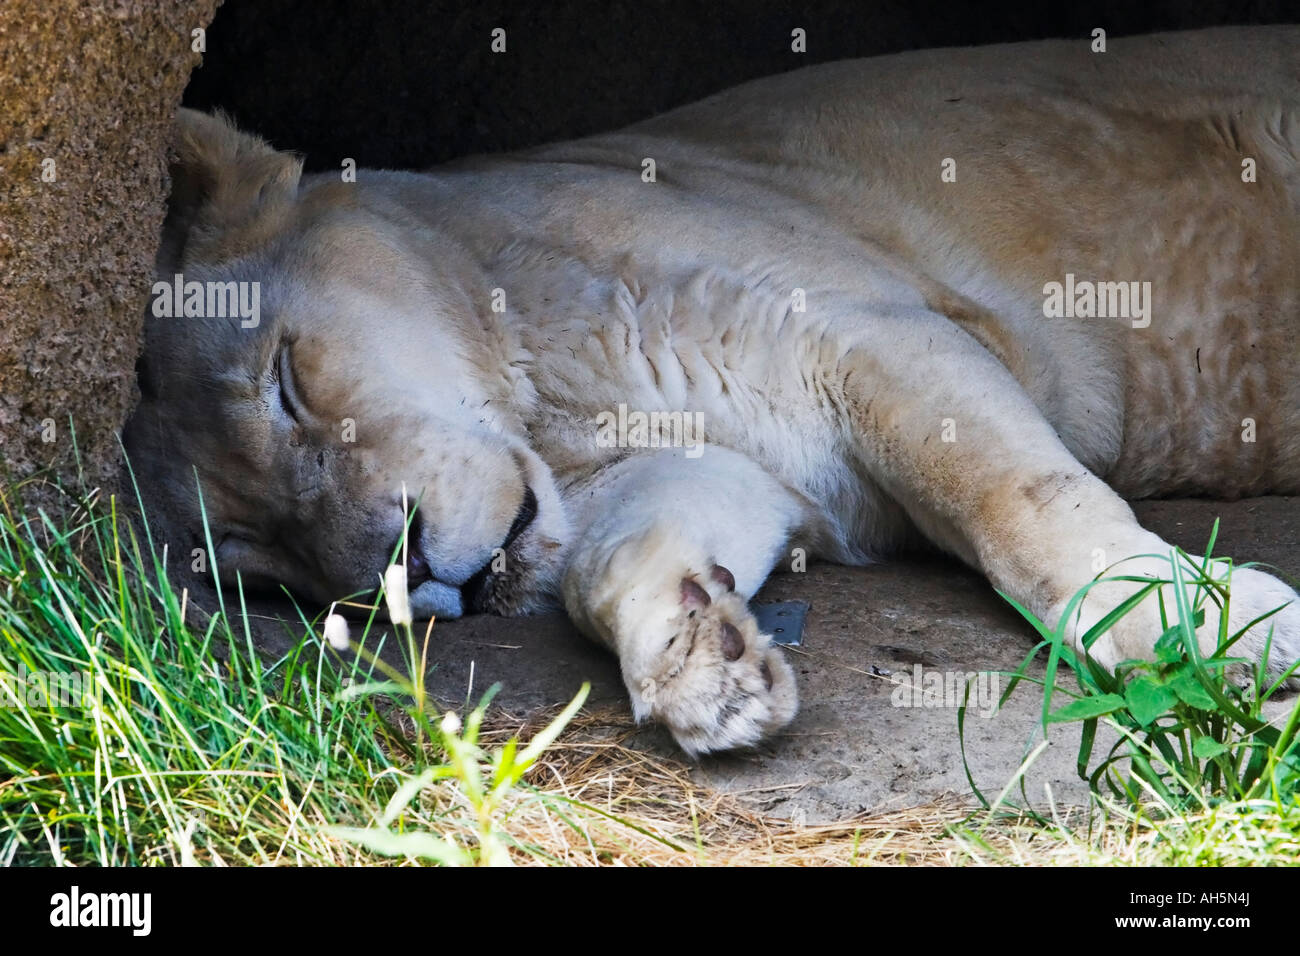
289, 398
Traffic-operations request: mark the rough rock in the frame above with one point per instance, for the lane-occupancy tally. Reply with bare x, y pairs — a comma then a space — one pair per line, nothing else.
87, 92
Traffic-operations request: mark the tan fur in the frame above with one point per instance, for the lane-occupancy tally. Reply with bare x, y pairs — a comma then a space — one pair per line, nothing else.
827, 428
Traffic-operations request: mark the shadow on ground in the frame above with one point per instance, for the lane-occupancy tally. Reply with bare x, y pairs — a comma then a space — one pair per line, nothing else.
851, 749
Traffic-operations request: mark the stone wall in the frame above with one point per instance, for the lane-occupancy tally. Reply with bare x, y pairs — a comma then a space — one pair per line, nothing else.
87, 92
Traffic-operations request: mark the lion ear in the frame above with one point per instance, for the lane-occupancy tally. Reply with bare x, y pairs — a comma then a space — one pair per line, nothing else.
230, 190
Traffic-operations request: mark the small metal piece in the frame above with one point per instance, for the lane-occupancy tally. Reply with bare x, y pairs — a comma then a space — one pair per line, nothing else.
783, 620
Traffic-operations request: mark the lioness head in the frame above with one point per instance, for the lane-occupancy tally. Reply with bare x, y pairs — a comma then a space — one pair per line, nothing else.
355, 358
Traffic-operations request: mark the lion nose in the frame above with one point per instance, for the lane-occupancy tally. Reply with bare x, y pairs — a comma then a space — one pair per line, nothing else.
417, 565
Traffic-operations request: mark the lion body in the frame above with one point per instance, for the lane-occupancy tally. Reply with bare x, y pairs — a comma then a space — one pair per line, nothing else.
828, 179
844, 276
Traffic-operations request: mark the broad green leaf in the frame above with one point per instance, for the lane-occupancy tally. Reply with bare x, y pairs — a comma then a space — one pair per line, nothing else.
1086, 708
1207, 747
1168, 648
1190, 691
417, 844
1147, 699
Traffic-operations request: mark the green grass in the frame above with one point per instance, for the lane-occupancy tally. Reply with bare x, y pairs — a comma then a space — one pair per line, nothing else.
189, 745
1195, 764
184, 745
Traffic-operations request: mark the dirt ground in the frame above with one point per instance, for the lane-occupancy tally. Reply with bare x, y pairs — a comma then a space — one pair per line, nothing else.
852, 749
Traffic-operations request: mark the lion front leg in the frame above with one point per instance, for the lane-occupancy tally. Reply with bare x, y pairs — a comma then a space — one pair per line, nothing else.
668, 552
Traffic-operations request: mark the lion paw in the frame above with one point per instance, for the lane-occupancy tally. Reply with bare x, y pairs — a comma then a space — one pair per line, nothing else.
1254, 594
717, 682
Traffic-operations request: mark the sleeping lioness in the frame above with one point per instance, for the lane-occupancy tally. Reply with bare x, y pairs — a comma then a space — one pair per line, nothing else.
971, 297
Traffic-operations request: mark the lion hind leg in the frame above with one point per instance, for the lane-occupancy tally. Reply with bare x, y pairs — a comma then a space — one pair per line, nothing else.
981, 471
